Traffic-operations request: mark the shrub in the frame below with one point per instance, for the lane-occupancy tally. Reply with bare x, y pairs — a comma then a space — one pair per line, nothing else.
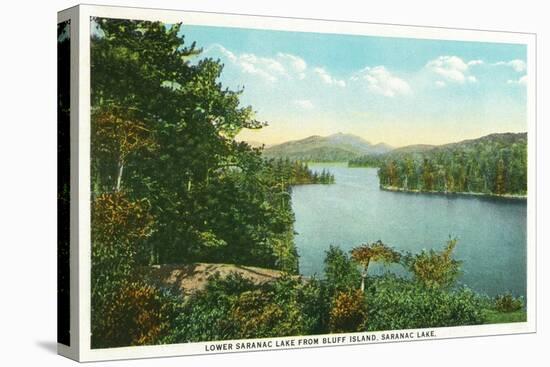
433, 268
137, 314
311, 297
119, 225
508, 303
204, 315
254, 314
348, 312
235, 308
397, 303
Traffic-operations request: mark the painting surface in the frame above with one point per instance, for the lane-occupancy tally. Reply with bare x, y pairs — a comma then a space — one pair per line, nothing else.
259, 183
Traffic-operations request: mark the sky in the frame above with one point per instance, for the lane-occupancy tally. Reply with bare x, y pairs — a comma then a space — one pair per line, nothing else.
398, 91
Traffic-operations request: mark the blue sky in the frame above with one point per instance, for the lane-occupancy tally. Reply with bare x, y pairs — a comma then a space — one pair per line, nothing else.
393, 90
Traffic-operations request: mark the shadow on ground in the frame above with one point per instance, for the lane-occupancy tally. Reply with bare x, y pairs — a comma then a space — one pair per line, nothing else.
49, 346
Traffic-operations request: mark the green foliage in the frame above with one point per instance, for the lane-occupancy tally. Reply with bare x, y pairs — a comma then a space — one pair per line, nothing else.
315, 310
348, 312
377, 251
395, 303
495, 317
163, 129
374, 160
495, 164
204, 316
341, 273
508, 303
169, 181
136, 314
119, 224
255, 315
435, 268
298, 173
235, 308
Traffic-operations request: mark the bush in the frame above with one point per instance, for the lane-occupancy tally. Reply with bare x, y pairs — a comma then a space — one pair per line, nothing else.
123, 308
397, 303
508, 303
433, 268
204, 315
348, 312
235, 308
311, 297
254, 314
137, 314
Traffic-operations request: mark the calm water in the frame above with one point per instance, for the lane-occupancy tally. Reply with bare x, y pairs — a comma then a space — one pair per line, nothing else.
491, 232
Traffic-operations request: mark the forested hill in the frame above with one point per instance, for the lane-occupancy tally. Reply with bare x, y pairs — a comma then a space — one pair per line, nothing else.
493, 164
501, 139
333, 148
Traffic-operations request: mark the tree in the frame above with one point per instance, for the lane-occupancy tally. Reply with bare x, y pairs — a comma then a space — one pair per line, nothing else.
341, 273
494, 164
427, 175
376, 251
500, 179
117, 134
433, 268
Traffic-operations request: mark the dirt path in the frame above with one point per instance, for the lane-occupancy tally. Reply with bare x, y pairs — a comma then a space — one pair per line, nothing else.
189, 278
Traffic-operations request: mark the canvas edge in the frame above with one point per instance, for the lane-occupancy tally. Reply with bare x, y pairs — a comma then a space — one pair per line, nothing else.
72, 351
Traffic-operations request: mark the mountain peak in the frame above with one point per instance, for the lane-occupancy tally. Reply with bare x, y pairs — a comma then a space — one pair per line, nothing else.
348, 139
336, 147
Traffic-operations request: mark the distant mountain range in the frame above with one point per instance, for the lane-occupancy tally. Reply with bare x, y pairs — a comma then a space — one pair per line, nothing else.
342, 147
506, 139
338, 147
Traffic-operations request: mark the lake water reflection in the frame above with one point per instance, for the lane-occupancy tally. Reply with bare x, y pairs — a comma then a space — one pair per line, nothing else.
491, 232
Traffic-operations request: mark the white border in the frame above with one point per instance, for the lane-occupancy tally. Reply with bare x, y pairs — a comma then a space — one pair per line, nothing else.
80, 343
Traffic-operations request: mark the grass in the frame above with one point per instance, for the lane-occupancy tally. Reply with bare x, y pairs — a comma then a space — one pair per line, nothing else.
496, 317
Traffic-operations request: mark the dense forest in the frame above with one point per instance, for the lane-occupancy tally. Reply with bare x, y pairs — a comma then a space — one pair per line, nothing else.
298, 172
495, 164
170, 184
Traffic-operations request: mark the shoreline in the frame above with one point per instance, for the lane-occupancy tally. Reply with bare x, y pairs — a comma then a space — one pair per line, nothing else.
452, 193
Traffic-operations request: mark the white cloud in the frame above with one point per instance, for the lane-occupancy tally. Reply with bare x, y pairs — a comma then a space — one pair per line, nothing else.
271, 69
518, 65
305, 104
475, 62
453, 68
440, 83
521, 81
297, 63
380, 81
327, 78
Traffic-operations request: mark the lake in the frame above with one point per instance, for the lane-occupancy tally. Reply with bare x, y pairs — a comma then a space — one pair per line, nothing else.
491, 232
